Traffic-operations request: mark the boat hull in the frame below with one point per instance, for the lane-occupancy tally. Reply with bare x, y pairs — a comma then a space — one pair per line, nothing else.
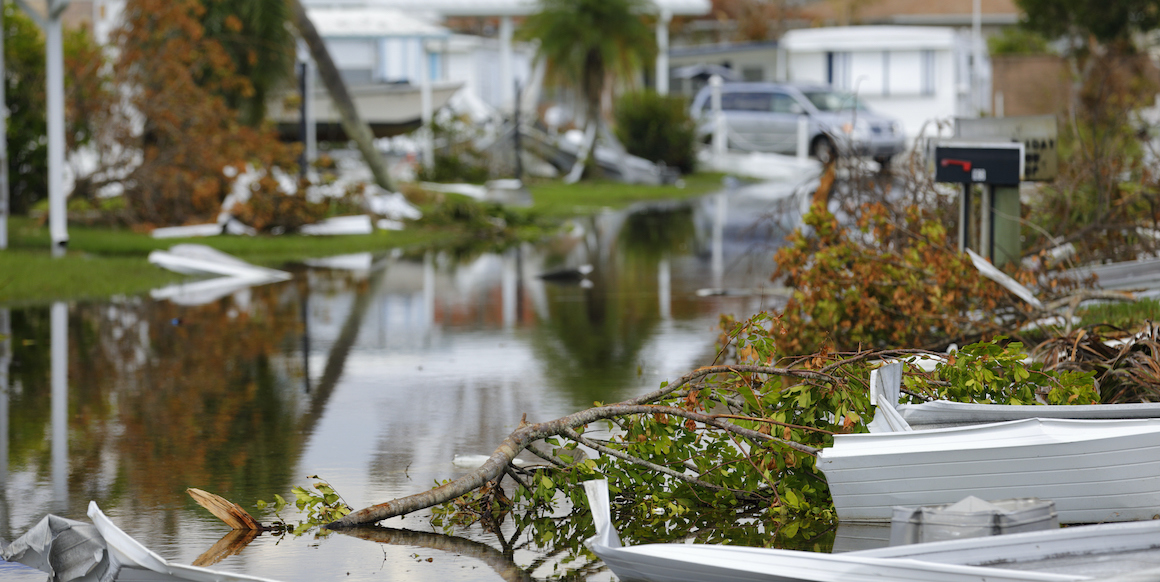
389, 109
1095, 471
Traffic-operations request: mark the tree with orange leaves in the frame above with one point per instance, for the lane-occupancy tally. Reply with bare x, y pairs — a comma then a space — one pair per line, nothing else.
174, 79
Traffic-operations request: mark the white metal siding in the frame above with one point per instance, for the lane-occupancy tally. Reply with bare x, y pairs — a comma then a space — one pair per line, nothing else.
352, 53
906, 73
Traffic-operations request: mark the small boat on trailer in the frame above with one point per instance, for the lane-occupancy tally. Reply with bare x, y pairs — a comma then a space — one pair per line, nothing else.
1109, 552
1098, 467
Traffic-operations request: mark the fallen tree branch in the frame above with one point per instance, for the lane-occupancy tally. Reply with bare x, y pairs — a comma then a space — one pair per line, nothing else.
653, 466
710, 370
520, 438
229, 512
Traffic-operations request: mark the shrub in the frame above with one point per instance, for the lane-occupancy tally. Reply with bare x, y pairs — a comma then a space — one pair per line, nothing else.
891, 280
657, 128
24, 92
455, 168
1016, 40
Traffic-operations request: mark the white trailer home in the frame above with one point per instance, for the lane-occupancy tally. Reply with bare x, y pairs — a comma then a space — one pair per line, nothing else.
915, 74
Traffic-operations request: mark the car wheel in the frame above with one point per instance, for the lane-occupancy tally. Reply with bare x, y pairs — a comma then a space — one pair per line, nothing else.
823, 149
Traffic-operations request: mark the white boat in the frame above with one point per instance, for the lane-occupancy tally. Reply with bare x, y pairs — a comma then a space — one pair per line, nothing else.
388, 108
1096, 470
1120, 551
72, 550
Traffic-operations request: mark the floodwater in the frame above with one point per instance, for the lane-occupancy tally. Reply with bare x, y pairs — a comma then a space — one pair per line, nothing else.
372, 372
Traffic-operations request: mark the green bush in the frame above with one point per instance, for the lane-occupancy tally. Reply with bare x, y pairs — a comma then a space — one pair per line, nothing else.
24, 92
1016, 40
657, 128
455, 168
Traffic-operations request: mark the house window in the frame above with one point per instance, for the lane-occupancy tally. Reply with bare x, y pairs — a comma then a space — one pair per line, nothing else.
838, 70
355, 59
746, 101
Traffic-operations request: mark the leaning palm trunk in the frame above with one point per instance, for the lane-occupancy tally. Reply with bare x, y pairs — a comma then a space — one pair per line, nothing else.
351, 123
593, 88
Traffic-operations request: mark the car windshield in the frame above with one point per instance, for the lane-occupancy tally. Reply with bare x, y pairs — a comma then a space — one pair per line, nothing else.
831, 101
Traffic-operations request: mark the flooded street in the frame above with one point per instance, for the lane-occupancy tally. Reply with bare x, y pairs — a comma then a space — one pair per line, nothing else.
372, 372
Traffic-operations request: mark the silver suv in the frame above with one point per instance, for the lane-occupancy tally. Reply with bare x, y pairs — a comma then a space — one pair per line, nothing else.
764, 117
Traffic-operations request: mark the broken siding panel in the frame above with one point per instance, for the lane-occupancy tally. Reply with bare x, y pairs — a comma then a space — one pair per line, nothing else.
1102, 471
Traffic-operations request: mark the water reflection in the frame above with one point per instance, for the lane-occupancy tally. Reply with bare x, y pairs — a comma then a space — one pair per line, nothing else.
5, 362
59, 340
373, 373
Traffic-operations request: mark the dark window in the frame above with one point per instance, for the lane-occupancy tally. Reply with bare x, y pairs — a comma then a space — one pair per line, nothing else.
746, 101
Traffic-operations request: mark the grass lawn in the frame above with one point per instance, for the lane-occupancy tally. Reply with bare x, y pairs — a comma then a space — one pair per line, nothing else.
557, 200
103, 262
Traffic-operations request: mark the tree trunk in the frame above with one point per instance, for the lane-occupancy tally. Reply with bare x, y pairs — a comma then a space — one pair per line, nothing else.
351, 123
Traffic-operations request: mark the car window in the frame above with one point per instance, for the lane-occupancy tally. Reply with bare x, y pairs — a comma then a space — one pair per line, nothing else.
783, 103
746, 101
831, 101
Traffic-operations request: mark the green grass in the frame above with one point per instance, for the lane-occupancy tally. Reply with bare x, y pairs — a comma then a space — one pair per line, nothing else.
35, 277
103, 262
1129, 316
557, 200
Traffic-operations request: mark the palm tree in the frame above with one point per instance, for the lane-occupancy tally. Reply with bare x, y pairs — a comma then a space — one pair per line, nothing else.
585, 43
255, 35
352, 124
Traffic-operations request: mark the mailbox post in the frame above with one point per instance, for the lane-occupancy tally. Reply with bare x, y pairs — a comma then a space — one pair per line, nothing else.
998, 167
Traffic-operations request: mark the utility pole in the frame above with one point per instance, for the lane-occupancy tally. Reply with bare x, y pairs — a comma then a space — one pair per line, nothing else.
3, 147
54, 71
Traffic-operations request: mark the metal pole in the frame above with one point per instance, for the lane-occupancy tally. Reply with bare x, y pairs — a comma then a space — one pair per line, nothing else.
506, 76
720, 142
308, 108
516, 136
303, 123
964, 216
54, 70
986, 224
663, 51
3, 148
427, 109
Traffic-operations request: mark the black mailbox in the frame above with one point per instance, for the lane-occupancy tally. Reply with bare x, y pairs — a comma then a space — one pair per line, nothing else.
1000, 163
